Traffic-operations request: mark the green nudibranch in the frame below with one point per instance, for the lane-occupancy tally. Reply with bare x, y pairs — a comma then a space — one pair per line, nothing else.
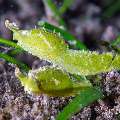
56, 81
51, 47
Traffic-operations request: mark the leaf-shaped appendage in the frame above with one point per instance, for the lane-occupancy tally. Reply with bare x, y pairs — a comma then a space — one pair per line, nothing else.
90, 63
51, 47
51, 81
47, 45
